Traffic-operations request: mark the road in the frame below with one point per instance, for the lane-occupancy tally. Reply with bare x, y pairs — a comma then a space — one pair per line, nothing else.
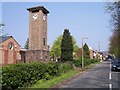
100, 76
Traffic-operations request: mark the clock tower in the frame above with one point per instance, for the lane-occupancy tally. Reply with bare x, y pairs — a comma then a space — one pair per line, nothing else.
38, 48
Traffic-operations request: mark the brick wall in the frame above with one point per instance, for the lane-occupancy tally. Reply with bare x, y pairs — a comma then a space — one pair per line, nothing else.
9, 56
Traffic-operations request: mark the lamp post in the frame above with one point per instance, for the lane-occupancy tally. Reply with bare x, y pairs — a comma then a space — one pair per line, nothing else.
83, 52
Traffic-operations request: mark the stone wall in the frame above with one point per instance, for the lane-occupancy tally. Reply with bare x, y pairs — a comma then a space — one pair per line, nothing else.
37, 56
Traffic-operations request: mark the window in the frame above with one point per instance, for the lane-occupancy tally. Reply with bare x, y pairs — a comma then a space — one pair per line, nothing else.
10, 46
44, 41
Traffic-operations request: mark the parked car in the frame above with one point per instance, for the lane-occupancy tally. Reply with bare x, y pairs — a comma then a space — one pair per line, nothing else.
115, 64
109, 59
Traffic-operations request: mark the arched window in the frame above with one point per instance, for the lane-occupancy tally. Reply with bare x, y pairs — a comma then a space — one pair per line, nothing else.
10, 45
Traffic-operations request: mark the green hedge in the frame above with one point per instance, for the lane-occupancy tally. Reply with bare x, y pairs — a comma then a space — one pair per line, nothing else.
90, 61
78, 62
65, 67
23, 75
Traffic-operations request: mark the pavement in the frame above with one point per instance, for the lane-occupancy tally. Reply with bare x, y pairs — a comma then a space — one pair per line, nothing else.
99, 76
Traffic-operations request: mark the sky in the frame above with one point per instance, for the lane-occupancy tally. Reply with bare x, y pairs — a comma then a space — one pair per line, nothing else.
83, 19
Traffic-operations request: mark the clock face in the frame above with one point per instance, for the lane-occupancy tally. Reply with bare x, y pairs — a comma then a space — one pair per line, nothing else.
44, 17
35, 16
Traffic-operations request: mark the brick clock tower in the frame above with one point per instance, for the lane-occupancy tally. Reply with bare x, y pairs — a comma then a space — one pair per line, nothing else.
38, 48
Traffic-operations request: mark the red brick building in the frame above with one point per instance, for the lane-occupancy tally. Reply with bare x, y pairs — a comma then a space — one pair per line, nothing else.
79, 53
91, 53
9, 50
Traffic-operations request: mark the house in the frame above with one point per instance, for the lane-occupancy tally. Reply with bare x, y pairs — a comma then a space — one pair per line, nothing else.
91, 53
9, 50
79, 53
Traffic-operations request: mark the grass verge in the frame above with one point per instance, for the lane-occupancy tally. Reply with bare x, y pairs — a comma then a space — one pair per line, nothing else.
91, 65
55, 80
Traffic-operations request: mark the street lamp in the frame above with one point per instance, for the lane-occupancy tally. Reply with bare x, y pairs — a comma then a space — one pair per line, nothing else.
83, 52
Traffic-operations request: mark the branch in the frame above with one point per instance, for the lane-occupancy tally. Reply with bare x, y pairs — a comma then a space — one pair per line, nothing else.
2, 24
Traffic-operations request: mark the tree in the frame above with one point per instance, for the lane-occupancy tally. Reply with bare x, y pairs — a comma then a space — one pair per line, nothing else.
1, 30
114, 10
86, 51
56, 47
27, 44
67, 46
75, 46
114, 45
1, 24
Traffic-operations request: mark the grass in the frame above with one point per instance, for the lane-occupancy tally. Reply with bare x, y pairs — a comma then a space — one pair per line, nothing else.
55, 80
91, 65
58, 79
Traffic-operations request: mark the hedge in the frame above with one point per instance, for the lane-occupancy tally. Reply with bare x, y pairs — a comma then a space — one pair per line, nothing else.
25, 74
78, 62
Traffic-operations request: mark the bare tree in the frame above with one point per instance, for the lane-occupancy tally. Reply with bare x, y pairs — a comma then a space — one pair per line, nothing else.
114, 10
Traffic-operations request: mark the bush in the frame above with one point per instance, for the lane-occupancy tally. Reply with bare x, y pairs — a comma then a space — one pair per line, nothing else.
53, 69
23, 75
65, 67
78, 62
87, 62
90, 61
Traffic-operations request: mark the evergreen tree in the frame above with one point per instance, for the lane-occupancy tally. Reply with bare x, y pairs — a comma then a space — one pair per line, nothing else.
66, 46
56, 47
86, 51
27, 44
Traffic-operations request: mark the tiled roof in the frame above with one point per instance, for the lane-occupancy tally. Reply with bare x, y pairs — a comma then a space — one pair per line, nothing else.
3, 38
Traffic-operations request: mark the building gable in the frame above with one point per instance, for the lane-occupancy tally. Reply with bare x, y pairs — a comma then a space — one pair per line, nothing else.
5, 38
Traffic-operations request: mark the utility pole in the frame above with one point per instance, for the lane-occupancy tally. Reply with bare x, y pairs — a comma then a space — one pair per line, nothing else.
83, 52
99, 46
82, 55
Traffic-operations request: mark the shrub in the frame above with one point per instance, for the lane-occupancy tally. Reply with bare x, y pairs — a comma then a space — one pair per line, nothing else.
87, 62
78, 62
21, 75
25, 74
53, 69
65, 67
90, 61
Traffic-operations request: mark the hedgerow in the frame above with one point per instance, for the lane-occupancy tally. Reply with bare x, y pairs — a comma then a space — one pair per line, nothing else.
25, 74
78, 62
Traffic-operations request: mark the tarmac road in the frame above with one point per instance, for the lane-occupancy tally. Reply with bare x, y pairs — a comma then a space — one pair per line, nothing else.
100, 76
